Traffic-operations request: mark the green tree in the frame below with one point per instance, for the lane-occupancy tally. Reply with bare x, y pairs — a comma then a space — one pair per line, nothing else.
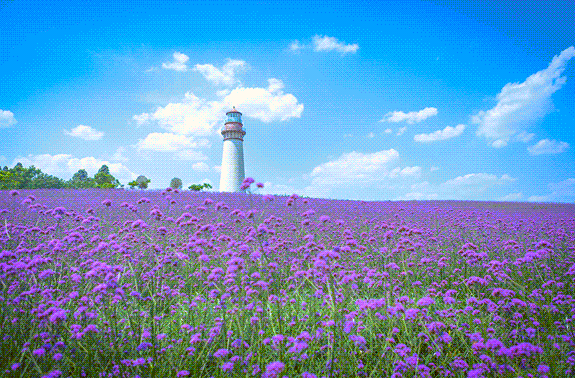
199, 187
20, 177
104, 179
80, 180
143, 182
176, 183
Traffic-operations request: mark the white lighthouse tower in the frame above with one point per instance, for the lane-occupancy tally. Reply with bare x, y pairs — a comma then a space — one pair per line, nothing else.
233, 172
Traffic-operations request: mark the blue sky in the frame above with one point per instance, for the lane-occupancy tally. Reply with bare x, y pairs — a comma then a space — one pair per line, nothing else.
355, 100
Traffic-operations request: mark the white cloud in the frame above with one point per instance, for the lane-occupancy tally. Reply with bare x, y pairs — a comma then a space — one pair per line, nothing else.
499, 143
433, 168
295, 46
191, 155
200, 167
411, 117
119, 155
64, 166
358, 170
406, 172
278, 189
371, 135
6, 119
480, 186
512, 197
546, 146
478, 179
179, 63
388, 131
563, 191
223, 92
326, 43
225, 75
199, 117
217, 168
401, 130
85, 132
447, 133
190, 116
266, 104
524, 136
539, 199
519, 104
168, 142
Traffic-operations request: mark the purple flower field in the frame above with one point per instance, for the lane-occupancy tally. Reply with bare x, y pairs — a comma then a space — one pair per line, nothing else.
129, 283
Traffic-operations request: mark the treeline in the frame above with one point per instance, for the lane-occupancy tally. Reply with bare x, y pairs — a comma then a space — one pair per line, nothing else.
21, 177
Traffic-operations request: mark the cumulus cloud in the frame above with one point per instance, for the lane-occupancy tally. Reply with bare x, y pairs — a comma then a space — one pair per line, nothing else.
225, 75
6, 118
325, 43
179, 63
410, 117
197, 116
119, 155
524, 136
539, 199
520, 104
200, 167
562, 191
387, 131
358, 170
295, 46
169, 142
266, 104
512, 197
546, 146
479, 186
447, 133
65, 165
85, 132
190, 155
401, 130
192, 115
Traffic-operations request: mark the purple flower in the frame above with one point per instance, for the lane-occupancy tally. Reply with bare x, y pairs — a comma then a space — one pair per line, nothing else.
228, 366
221, 353
183, 373
543, 369
39, 352
273, 369
425, 301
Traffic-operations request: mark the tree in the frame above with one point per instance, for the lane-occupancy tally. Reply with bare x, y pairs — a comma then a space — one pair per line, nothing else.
199, 187
143, 181
81, 175
104, 179
80, 180
176, 183
28, 178
104, 169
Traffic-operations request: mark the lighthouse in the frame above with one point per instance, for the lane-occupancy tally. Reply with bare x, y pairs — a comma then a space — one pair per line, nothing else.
233, 172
